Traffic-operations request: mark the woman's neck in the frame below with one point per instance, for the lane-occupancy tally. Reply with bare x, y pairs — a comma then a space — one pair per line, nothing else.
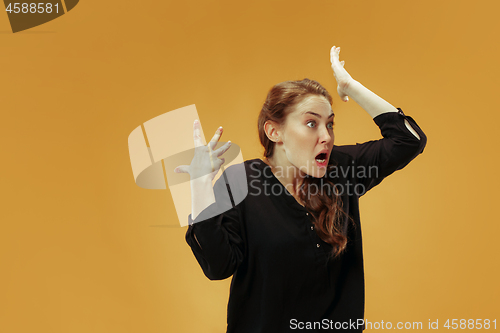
288, 175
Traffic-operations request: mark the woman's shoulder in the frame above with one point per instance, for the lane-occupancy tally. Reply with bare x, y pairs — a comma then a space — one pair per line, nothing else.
340, 156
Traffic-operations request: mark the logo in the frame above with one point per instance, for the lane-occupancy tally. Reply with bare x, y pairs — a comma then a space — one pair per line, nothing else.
165, 142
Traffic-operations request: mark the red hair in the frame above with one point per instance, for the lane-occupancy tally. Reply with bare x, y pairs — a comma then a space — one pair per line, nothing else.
325, 207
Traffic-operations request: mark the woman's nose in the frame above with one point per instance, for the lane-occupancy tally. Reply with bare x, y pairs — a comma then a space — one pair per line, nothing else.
326, 136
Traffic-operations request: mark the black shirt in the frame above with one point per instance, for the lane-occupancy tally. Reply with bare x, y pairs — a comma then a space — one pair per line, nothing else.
283, 276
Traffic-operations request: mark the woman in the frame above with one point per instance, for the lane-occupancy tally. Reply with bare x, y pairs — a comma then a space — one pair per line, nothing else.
293, 245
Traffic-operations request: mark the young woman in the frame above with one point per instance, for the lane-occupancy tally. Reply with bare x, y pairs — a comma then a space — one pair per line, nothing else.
293, 244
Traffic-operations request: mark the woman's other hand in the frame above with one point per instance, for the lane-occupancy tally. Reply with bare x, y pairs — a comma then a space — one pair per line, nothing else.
205, 161
341, 76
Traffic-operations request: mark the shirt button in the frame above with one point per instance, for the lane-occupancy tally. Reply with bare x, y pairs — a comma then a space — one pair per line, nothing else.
307, 214
312, 227
317, 245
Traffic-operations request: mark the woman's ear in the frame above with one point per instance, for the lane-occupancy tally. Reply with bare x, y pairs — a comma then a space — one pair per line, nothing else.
273, 131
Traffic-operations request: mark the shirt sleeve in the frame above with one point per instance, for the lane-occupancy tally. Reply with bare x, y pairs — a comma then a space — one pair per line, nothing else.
377, 159
218, 246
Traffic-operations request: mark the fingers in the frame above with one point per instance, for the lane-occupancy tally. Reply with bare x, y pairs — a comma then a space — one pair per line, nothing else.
221, 161
334, 53
182, 169
223, 149
217, 163
210, 157
215, 138
335, 50
197, 134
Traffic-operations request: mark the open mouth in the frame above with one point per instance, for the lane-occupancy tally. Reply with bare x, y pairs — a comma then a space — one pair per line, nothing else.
321, 158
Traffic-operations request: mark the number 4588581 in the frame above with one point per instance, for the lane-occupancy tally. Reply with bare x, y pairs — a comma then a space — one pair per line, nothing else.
32, 8
470, 324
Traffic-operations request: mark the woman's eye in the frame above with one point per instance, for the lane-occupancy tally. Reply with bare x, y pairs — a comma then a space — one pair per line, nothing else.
330, 125
312, 123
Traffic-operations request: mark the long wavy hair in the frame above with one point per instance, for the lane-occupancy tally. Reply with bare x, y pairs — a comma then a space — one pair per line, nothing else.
330, 221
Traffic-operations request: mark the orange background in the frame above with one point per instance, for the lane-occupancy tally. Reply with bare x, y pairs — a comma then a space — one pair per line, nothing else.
84, 249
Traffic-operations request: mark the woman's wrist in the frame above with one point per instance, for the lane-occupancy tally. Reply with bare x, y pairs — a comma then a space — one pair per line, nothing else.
202, 195
368, 100
349, 87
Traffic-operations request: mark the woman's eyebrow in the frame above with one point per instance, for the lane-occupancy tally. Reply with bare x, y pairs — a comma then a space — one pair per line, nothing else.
319, 116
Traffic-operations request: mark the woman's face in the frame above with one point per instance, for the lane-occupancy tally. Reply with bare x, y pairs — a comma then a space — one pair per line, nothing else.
307, 135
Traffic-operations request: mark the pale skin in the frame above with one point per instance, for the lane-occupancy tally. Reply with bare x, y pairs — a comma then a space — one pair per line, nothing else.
207, 163
346, 87
203, 168
307, 131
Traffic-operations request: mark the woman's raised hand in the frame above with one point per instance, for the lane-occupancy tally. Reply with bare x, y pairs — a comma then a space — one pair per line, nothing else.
205, 161
343, 78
